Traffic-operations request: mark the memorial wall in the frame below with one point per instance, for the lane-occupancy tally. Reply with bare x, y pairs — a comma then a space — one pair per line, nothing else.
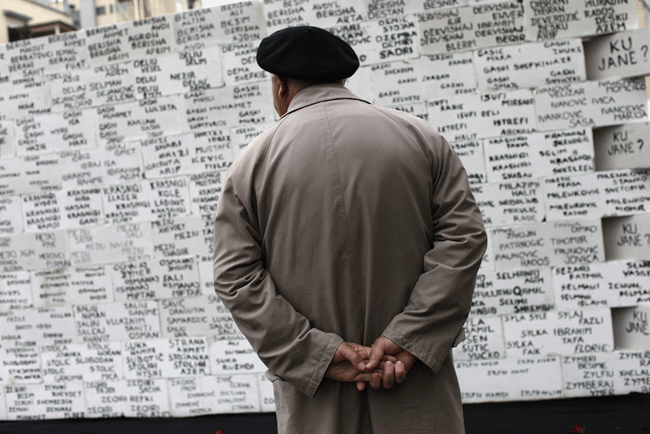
114, 142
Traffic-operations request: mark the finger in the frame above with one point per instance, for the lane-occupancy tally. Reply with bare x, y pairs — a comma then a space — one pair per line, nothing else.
366, 376
376, 354
375, 381
389, 375
389, 358
361, 386
361, 349
400, 372
350, 353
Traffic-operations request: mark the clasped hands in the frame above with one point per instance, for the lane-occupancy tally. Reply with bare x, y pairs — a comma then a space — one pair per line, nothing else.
383, 364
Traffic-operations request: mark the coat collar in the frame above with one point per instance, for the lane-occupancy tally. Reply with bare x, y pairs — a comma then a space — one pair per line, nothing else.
319, 93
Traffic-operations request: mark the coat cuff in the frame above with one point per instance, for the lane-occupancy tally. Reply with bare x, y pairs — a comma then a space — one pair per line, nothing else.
424, 355
323, 364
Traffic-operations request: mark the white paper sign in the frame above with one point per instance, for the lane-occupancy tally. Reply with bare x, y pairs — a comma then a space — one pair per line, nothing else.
280, 14
55, 132
130, 40
28, 97
148, 200
221, 324
70, 52
37, 327
467, 117
419, 110
97, 86
582, 286
471, 27
42, 56
484, 340
214, 394
82, 362
510, 379
108, 244
574, 196
630, 282
96, 323
60, 287
510, 202
626, 191
552, 243
240, 137
575, 242
376, 9
63, 209
631, 328
45, 401
190, 316
11, 215
323, 13
240, 65
267, 397
186, 154
516, 291
558, 332
386, 40
168, 358
234, 356
97, 167
155, 279
179, 237
20, 365
237, 22
547, 19
589, 374
591, 104
622, 54
127, 398
622, 147
632, 371
627, 237
139, 120
186, 71
206, 275
422, 79
230, 106
530, 65
15, 290
30, 251
611, 283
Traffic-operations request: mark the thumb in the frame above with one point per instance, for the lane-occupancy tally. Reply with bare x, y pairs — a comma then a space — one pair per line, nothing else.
350, 354
376, 354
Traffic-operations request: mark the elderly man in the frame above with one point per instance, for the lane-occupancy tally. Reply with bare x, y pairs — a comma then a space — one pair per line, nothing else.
347, 243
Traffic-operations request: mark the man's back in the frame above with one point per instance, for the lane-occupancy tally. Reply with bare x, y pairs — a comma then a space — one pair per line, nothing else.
345, 197
345, 200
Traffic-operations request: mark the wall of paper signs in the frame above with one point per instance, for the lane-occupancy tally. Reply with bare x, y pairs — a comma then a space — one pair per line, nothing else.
114, 142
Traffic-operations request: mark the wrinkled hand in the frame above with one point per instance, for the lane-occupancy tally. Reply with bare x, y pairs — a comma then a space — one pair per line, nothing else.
392, 372
349, 365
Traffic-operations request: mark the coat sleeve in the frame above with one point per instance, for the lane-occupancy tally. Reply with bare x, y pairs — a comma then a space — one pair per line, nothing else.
432, 321
283, 338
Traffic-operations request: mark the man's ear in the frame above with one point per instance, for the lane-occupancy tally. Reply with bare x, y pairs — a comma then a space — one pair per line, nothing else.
283, 87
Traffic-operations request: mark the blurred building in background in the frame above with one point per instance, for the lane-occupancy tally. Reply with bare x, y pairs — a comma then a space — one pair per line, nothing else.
115, 11
24, 19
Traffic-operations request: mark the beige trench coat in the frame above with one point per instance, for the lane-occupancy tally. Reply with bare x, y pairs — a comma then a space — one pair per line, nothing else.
343, 222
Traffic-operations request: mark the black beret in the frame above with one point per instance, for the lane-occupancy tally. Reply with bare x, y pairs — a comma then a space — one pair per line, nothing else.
307, 53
